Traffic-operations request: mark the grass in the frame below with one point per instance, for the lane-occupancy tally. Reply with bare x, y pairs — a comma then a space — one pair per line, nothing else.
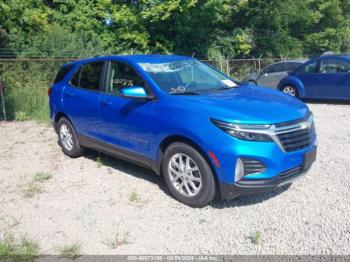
26, 85
70, 251
256, 238
99, 162
31, 189
42, 177
21, 116
117, 240
19, 249
134, 197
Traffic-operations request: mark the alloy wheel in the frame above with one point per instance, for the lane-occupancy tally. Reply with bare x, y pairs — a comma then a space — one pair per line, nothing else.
184, 175
66, 137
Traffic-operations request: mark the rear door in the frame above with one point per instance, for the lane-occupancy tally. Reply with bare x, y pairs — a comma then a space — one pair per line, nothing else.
334, 78
81, 99
272, 75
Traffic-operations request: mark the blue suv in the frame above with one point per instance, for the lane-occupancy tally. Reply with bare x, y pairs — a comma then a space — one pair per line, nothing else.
203, 132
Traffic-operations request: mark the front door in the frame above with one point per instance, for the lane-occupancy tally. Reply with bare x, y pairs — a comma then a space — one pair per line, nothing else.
127, 122
309, 76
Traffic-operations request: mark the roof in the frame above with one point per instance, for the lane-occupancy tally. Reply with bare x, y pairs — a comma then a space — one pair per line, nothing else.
151, 58
346, 56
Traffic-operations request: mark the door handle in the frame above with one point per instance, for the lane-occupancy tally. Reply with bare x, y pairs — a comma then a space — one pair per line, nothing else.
105, 102
69, 94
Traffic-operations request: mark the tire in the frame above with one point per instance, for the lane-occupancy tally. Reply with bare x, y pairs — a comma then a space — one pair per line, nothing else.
200, 190
67, 138
290, 90
252, 82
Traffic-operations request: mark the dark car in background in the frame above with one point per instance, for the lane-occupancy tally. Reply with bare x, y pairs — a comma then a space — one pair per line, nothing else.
271, 75
324, 77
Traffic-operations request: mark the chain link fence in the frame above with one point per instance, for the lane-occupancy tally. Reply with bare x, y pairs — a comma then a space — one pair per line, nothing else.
26, 80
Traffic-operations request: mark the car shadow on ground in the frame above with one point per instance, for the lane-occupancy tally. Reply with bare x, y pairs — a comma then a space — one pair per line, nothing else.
127, 167
326, 101
248, 200
150, 176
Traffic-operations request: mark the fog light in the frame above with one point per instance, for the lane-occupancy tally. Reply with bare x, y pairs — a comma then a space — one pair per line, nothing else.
239, 171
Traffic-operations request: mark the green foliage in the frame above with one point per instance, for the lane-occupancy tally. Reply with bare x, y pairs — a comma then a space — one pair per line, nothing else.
134, 197
70, 251
26, 87
256, 237
99, 162
214, 28
42, 177
23, 249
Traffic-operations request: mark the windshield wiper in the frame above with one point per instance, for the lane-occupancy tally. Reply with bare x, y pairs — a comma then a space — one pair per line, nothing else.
184, 93
224, 88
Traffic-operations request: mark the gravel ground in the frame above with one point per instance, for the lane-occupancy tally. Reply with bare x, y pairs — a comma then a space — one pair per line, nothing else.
90, 204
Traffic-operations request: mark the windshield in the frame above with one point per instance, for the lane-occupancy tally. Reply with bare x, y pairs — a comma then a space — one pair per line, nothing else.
187, 76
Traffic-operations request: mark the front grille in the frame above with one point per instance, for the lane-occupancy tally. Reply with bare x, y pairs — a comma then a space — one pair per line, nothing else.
291, 172
252, 166
296, 140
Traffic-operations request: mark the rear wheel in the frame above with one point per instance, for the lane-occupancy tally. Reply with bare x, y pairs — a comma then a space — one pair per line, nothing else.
290, 90
188, 175
67, 138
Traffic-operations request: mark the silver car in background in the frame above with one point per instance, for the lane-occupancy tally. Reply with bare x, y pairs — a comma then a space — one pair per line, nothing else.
271, 75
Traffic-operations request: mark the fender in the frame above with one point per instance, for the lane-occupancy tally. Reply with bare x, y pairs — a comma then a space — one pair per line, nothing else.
295, 81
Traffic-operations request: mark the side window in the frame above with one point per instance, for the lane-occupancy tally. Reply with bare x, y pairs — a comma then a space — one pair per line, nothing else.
122, 75
290, 66
309, 68
274, 68
333, 66
88, 76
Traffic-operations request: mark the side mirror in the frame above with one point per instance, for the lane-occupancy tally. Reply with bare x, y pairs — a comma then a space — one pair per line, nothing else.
136, 92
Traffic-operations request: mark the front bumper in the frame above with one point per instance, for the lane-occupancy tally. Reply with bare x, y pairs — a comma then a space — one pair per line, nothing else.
248, 186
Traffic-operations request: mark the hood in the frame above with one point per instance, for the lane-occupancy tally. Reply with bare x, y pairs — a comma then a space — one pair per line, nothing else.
249, 104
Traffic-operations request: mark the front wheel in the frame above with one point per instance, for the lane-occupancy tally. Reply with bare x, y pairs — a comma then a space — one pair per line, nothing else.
290, 90
187, 175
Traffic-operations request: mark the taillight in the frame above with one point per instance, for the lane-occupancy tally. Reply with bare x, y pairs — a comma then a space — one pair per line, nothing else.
49, 91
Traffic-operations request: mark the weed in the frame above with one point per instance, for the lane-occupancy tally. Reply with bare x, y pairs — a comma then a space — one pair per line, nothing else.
41, 177
23, 248
99, 162
70, 251
26, 90
21, 116
118, 240
256, 237
31, 189
134, 197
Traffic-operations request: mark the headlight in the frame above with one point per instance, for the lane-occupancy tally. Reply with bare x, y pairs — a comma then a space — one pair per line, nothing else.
244, 131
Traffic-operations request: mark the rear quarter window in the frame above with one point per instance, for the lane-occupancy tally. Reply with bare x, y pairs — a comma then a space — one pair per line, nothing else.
64, 70
88, 76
